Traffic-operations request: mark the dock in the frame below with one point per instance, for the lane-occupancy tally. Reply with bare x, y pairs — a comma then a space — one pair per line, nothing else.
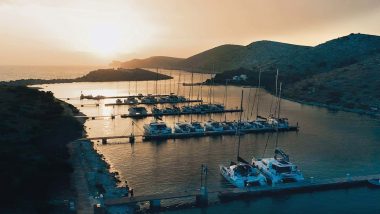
145, 137
229, 194
154, 103
117, 97
181, 113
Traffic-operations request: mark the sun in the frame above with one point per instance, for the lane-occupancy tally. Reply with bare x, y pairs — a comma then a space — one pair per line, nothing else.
105, 40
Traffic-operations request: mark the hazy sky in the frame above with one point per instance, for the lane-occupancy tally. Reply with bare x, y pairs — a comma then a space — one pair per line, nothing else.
80, 32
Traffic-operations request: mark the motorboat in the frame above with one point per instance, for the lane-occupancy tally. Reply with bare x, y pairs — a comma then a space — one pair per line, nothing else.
138, 111
242, 175
157, 128
278, 169
131, 101
213, 126
197, 127
182, 127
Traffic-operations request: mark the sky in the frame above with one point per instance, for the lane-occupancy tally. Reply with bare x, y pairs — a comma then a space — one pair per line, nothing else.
95, 32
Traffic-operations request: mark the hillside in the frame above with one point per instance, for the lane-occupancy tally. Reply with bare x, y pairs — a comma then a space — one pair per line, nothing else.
356, 86
34, 157
270, 55
152, 62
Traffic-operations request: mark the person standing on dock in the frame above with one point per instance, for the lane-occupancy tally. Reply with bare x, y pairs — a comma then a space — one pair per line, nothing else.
131, 193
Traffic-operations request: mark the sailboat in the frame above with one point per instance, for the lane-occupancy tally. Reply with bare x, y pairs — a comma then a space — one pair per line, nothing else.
242, 174
278, 169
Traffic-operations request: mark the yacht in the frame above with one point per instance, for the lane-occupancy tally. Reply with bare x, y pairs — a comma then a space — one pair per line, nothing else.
278, 169
242, 175
182, 127
197, 127
213, 126
138, 111
157, 128
131, 101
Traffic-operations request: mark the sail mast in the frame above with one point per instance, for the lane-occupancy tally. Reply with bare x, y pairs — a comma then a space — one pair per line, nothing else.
258, 95
239, 124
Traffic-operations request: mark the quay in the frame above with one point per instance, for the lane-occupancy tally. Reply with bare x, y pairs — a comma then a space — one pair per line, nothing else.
89, 97
229, 194
154, 103
181, 113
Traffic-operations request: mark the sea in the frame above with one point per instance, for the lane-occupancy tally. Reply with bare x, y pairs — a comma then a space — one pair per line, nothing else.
329, 144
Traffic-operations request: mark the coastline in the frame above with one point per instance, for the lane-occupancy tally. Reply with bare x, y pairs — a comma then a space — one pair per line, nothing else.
92, 179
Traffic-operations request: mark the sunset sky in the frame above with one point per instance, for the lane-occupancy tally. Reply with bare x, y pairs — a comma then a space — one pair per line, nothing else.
89, 32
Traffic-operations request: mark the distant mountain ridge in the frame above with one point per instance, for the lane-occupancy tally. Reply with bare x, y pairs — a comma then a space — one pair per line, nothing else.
269, 55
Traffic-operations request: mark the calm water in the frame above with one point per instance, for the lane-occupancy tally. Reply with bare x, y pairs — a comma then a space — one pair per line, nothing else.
12, 72
329, 144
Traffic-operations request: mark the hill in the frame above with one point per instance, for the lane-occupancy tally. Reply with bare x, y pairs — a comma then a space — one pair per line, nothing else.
152, 62
356, 86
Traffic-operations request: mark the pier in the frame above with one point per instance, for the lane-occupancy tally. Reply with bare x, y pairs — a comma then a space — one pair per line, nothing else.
154, 103
190, 134
229, 194
181, 113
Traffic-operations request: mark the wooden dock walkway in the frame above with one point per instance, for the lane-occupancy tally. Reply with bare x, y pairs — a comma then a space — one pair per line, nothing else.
117, 97
235, 193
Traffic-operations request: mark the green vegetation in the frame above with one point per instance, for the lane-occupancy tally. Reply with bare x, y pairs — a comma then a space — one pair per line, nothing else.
35, 129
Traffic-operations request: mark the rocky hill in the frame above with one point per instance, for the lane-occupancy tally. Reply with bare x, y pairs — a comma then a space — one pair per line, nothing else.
152, 62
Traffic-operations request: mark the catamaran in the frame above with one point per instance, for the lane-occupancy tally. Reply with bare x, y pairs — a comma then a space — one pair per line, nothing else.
131, 101
278, 169
197, 127
242, 175
213, 126
182, 127
149, 99
157, 128
137, 111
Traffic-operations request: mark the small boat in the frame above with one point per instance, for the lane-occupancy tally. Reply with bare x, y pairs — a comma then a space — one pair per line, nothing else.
138, 111
245, 126
182, 127
118, 101
242, 175
213, 126
278, 169
157, 128
197, 127
131, 101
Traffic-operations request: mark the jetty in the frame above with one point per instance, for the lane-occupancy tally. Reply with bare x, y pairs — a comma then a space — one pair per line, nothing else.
180, 113
146, 137
229, 194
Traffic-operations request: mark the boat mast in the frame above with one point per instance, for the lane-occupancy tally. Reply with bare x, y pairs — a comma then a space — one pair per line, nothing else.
179, 81
156, 79
258, 95
239, 123
278, 114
